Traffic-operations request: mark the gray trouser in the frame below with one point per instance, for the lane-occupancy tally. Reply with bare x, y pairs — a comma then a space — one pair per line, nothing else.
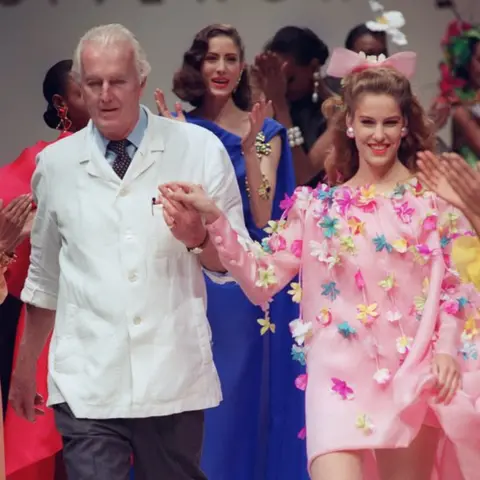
163, 448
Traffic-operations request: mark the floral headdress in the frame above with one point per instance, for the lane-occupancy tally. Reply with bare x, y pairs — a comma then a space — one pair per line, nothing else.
389, 22
456, 45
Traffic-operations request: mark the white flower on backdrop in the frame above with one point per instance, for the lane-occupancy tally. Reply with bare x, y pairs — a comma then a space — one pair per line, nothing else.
389, 22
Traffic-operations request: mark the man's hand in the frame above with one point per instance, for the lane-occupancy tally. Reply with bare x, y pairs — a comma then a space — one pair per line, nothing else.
23, 397
184, 221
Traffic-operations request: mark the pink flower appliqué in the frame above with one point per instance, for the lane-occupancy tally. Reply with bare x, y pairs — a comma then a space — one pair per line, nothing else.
430, 223
366, 200
301, 382
359, 281
341, 388
451, 307
287, 203
296, 248
404, 212
302, 434
344, 200
277, 243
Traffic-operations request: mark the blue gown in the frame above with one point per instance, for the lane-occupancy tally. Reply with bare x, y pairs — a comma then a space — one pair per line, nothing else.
252, 435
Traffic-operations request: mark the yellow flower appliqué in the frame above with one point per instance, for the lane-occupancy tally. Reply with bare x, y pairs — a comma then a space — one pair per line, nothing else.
295, 292
274, 227
266, 277
266, 325
470, 329
400, 245
367, 313
364, 424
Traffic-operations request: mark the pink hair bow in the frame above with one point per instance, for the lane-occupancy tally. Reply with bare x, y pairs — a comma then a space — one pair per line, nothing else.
343, 61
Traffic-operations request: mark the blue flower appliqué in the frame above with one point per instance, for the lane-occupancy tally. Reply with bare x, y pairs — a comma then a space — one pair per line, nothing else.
298, 355
469, 351
329, 226
381, 244
345, 330
330, 290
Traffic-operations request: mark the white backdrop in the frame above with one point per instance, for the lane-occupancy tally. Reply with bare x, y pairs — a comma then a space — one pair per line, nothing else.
34, 34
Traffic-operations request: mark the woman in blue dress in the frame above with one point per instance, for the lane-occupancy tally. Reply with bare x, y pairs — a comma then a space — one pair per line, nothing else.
252, 353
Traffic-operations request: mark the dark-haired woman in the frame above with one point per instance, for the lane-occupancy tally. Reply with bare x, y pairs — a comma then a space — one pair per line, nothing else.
288, 74
30, 448
214, 80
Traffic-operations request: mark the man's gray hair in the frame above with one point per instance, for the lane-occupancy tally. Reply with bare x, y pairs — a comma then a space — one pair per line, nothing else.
107, 35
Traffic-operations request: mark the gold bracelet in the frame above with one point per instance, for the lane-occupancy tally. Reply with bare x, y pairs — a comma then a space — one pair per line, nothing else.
262, 148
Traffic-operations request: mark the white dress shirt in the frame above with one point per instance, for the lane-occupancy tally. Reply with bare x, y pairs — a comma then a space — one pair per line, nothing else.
131, 337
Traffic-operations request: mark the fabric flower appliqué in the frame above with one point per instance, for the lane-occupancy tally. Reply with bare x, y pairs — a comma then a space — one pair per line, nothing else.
469, 350
404, 344
330, 290
359, 281
324, 318
343, 201
345, 330
296, 248
366, 200
321, 253
298, 354
341, 388
325, 194
381, 243
329, 226
404, 212
400, 245
300, 330
364, 423
356, 226
470, 329
301, 382
394, 316
266, 277
274, 226
367, 313
382, 376
389, 283
295, 292
347, 244
266, 325
287, 203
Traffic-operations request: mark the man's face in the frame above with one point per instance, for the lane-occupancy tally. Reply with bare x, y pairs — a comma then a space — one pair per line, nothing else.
111, 88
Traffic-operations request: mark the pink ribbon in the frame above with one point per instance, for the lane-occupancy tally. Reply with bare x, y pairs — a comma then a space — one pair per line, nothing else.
343, 61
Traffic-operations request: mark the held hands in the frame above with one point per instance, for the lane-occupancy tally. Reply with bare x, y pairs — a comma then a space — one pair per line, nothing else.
449, 378
190, 197
164, 111
256, 119
13, 221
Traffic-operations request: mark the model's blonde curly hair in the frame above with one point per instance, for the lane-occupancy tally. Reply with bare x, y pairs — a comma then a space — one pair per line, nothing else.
342, 163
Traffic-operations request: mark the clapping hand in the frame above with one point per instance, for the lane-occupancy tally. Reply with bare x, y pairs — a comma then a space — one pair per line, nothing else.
192, 197
164, 111
13, 219
272, 78
256, 119
452, 179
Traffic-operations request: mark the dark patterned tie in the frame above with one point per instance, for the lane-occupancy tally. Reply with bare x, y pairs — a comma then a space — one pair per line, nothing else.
122, 159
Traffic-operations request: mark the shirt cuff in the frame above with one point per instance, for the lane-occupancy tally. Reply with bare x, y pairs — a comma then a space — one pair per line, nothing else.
36, 297
219, 278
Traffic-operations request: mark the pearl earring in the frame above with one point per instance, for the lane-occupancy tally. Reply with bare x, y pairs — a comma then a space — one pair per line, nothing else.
316, 84
404, 131
350, 132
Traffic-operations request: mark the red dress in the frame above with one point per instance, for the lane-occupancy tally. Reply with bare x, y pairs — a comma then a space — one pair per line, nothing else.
30, 448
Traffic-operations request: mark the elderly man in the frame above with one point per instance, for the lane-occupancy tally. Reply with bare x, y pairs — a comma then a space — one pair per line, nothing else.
119, 280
